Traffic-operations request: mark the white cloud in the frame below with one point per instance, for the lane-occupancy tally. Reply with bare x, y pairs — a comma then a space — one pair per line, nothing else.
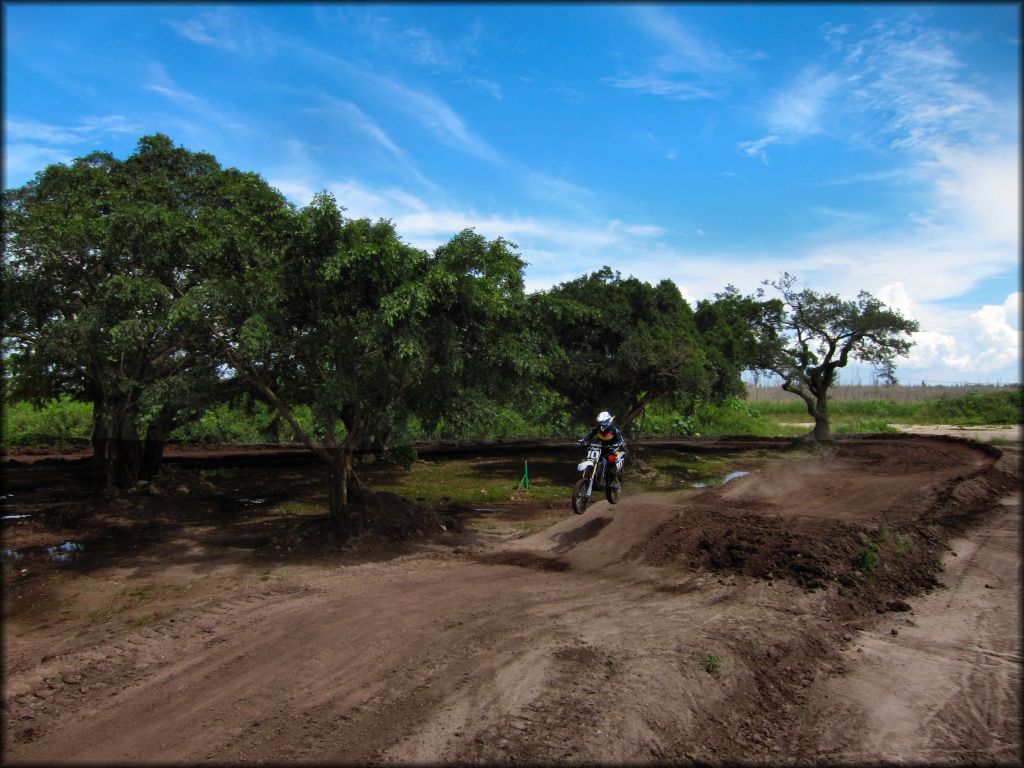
797, 110
895, 296
296, 190
22, 161
483, 85
88, 128
982, 345
661, 85
32, 131
687, 49
228, 29
999, 340
933, 350
30, 145
978, 189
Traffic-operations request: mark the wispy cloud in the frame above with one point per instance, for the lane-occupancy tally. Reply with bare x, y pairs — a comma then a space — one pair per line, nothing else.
32, 145
22, 160
159, 81
689, 64
432, 112
355, 118
391, 38
687, 49
228, 29
438, 118
661, 85
899, 87
484, 85
87, 129
427, 225
796, 111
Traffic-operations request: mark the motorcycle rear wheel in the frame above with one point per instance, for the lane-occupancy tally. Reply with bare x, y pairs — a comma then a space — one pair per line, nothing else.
580, 497
613, 490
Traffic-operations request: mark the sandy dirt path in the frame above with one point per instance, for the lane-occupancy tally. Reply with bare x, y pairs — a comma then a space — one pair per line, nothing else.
942, 686
723, 624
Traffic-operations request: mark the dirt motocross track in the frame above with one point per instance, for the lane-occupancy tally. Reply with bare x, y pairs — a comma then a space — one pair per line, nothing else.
844, 604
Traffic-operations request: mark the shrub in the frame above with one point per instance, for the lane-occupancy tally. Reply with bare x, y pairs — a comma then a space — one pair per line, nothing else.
867, 559
59, 422
711, 663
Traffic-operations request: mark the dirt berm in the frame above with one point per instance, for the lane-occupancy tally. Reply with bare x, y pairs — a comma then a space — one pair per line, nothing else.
854, 603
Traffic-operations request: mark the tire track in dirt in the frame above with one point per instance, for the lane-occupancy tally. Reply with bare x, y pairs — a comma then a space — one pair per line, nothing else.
942, 686
603, 638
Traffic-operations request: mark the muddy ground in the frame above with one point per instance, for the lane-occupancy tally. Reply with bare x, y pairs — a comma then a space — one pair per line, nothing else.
852, 603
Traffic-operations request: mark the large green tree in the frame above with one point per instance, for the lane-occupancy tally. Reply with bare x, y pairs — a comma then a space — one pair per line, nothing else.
819, 333
367, 331
99, 258
739, 333
623, 344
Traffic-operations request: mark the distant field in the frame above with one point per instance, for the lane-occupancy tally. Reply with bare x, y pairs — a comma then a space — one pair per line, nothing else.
899, 393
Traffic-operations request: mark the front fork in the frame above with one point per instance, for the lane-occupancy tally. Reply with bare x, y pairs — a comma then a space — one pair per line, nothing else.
590, 474
598, 474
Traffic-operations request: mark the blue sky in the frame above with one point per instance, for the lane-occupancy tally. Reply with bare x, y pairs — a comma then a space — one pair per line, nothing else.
858, 146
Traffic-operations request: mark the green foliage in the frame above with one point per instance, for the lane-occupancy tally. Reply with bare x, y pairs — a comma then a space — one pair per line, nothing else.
867, 559
738, 333
621, 345
892, 539
245, 423
59, 422
976, 408
820, 333
888, 540
106, 271
712, 664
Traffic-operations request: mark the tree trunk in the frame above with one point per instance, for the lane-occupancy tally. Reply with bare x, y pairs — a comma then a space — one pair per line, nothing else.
117, 450
338, 472
153, 447
821, 420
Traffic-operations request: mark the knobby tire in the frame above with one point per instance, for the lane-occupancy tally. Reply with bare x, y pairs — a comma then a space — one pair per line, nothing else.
580, 499
612, 491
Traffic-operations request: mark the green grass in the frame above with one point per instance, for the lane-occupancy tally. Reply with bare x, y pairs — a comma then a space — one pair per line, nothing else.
475, 481
62, 422
712, 664
888, 541
867, 558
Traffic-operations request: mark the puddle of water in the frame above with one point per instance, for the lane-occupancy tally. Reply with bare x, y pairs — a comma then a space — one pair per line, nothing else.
65, 550
62, 553
14, 517
723, 481
251, 502
489, 509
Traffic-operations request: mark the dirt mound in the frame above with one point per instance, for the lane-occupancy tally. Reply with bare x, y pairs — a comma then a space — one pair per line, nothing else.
680, 627
870, 566
375, 520
868, 516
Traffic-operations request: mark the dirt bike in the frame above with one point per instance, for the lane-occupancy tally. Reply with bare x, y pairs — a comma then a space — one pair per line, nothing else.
595, 474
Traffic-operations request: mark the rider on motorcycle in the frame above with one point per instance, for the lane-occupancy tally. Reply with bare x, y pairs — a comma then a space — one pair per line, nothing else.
613, 444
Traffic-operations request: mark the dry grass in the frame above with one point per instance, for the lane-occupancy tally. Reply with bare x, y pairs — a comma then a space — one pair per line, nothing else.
900, 393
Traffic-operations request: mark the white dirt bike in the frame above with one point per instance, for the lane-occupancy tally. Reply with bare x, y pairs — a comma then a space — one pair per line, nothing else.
596, 473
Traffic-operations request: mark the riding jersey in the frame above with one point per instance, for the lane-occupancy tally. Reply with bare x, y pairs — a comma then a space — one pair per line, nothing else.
611, 439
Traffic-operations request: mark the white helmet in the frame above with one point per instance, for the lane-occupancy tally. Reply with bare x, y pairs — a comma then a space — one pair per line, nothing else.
604, 419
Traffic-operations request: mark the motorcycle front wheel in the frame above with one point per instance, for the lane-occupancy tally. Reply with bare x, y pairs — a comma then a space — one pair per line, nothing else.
580, 497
